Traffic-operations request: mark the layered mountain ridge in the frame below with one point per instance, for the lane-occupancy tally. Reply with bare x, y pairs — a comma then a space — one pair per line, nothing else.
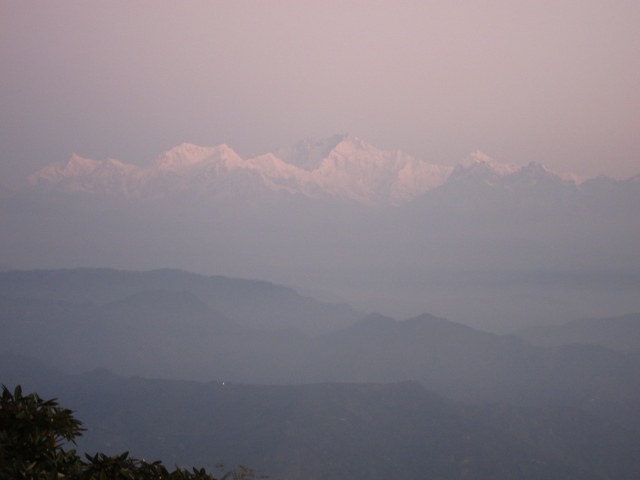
342, 167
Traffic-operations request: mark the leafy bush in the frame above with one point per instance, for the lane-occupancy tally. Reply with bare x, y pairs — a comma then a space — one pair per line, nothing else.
33, 436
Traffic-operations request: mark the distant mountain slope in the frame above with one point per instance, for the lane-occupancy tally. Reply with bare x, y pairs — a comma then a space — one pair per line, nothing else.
337, 431
168, 333
469, 365
258, 304
158, 334
618, 333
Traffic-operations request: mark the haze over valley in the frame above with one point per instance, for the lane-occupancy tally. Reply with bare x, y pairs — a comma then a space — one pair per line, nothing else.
250, 372
365, 246
341, 220
320, 240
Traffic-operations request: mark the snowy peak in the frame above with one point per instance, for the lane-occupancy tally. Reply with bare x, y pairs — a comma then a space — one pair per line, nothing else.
309, 153
76, 166
82, 175
341, 166
480, 168
479, 162
537, 171
345, 166
348, 142
352, 148
358, 170
187, 155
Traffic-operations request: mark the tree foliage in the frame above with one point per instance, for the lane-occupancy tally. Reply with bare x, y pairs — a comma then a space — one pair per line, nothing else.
33, 436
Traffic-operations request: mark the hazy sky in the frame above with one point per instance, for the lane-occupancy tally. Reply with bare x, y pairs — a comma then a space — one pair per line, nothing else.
556, 82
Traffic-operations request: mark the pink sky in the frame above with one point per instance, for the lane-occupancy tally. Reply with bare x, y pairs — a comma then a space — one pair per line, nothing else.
553, 82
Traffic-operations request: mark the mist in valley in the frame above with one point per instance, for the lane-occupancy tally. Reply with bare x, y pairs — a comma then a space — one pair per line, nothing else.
336, 241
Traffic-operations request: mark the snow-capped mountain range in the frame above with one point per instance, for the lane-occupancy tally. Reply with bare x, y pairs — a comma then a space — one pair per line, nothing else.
304, 216
342, 166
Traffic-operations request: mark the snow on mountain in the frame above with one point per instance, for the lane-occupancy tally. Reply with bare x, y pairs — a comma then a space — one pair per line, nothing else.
357, 170
88, 176
415, 178
188, 163
187, 154
278, 175
309, 153
480, 168
345, 166
76, 166
341, 166
572, 177
536, 174
481, 161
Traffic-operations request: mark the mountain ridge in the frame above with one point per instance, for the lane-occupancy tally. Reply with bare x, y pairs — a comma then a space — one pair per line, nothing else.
332, 430
177, 325
342, 166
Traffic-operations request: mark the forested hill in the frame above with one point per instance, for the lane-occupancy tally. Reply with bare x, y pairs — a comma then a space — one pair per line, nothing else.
334, 431
142, 324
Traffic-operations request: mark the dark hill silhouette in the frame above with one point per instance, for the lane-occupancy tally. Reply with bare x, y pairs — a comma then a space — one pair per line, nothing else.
253, 303
336, 430
175, 334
